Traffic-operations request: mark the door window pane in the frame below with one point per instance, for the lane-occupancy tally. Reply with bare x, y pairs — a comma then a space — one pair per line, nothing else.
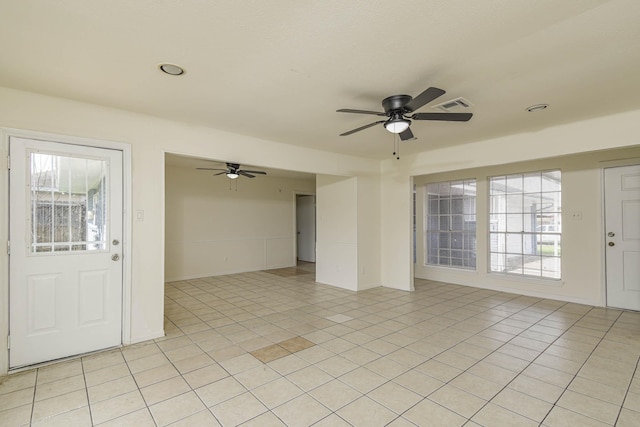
67, 203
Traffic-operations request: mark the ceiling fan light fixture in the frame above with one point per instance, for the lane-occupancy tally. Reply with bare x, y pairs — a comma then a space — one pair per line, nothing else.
232, 175
397, 125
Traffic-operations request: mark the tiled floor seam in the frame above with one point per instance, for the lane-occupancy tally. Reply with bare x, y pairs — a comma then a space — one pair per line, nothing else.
181, 375
33, 400
464, 371
399, 306
627, 391
506, 342
582, 366
550, 344
451, 347
86, 389
138, 388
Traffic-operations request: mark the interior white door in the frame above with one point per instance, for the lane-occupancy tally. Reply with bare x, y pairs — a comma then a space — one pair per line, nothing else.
306, 224
65, 263
622, 223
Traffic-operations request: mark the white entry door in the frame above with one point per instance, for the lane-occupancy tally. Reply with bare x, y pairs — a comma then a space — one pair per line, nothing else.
65, 274
306, 224
622, 220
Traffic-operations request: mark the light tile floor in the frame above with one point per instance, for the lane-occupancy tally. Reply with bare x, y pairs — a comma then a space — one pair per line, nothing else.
444, 355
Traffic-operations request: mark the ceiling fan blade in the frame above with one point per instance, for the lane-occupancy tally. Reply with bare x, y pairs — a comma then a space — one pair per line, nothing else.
211, 169
407, 135
347, 110
447, 117
258, 172
362, 128
424, 98
244, 173
219, 173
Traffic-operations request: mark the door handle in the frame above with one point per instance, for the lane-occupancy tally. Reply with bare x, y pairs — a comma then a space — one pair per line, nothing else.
611, 234
611, 244
115, 257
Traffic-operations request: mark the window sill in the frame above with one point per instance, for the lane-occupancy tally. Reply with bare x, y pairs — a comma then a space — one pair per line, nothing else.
526, 279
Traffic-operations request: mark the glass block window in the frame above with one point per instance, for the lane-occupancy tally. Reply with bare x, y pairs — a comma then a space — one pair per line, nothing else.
451, 224
525, 224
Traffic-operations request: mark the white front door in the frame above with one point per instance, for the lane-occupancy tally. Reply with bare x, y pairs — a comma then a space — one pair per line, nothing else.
306, 224
65, 262
622, 223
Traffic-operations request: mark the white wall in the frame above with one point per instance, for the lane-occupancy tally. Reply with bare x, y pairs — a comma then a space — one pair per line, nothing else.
603, 133
215, 226
336, 224
396, 233
348, 221
369, 262
149, 138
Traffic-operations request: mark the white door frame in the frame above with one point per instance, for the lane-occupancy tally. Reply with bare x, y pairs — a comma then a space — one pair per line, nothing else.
5, 134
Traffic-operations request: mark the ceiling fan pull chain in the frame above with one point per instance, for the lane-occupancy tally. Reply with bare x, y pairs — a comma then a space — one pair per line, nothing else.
393, 140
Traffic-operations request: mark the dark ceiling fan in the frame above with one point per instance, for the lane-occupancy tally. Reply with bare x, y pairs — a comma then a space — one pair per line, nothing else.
233, 171
400, 108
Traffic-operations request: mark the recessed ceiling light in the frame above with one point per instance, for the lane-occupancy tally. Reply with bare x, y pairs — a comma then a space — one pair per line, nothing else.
537, 107
171, 69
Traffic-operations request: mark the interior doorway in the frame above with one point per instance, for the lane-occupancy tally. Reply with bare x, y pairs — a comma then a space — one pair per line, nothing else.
622, 234
306, 227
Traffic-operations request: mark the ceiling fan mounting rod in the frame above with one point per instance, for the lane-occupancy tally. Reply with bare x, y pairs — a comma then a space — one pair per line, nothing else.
396, 103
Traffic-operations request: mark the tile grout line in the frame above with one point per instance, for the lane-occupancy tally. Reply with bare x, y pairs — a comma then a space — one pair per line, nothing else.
452, 298
627, 391
504, 344
33, 400
138, 389
191, 389
86, 390
450, 348
581, 366
305, 392
442, 293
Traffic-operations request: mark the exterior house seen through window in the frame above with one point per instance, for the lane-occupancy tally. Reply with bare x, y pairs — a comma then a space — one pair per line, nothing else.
525, 224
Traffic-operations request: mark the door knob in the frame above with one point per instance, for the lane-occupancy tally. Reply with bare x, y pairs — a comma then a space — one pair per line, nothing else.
115, 257
611, 244
116, 242
611, 234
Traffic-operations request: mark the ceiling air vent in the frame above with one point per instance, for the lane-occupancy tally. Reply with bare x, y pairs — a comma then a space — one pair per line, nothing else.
454, 105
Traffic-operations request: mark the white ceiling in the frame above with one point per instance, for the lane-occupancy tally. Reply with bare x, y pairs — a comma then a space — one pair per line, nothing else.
279, 69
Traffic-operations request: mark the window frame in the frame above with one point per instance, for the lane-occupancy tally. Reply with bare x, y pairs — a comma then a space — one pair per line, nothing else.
535, 234
469, 250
